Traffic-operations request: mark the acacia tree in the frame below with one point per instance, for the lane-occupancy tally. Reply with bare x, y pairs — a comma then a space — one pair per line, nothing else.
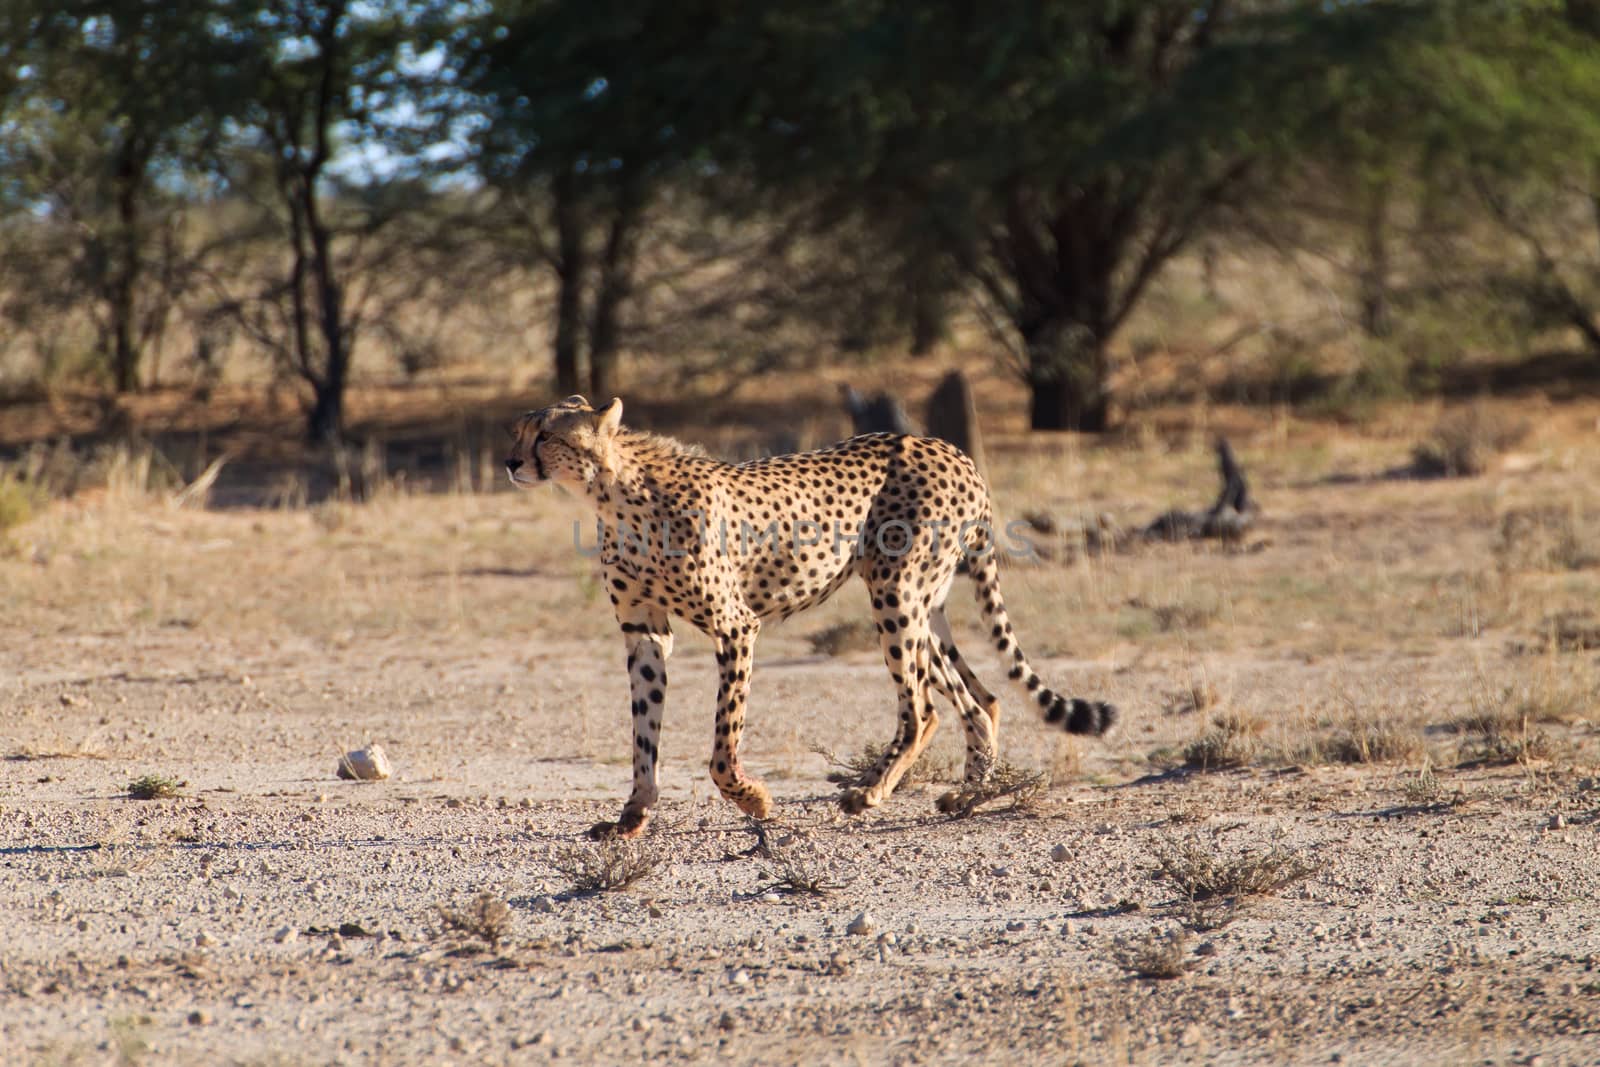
115, 106
1059, 154
1525, 139
326, 73
594, 112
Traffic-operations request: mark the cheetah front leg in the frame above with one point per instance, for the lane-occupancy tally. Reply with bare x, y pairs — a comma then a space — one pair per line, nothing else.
736, 643
649, 644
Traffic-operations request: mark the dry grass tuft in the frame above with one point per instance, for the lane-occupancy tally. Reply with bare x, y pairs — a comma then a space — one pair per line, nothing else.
1025, 789
1158, 954
487, 918
1234, 740
17, 501
1502, 736
1502, 726
1198, 695
1201, 873
796, 871
155, 787
852, 635
1462, 443
1186, 616
1571, 631
1369, 742
932, 766
1424, 789
614, 863
1548, 538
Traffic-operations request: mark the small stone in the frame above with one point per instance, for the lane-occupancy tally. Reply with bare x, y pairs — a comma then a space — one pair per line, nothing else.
861, 925
1190, 1036
739, 977
1069, 928
364, 764
199, 1018
547, 904
726, 1022
1558, 821
204, 940
1060, 854
285, 935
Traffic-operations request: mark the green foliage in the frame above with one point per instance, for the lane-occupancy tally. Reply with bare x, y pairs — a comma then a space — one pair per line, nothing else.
113, 107
879, 159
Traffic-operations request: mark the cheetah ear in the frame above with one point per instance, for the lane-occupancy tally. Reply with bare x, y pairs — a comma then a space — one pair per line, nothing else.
610, 418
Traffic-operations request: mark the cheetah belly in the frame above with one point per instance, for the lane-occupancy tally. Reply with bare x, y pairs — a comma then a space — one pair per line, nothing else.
803, 568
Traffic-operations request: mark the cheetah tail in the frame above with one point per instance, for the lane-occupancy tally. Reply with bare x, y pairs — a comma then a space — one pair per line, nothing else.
1077, 715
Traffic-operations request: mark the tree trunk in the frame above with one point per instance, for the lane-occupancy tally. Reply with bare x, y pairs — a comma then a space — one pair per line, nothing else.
930, 316
325, 424
326, 421
125, 354
616, 283
571, 267
125, 272
1376, 318
1068, 378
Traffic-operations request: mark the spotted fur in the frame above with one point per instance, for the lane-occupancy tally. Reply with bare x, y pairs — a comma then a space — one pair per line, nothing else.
730, 547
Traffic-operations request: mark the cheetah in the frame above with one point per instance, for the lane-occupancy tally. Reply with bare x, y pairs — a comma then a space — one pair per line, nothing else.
728, 548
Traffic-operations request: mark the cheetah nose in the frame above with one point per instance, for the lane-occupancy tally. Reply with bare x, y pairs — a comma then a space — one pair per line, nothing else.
512, 465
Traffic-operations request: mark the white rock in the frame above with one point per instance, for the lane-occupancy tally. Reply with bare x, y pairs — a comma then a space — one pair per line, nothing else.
861, 925
1060, 854
285, 935
365, 764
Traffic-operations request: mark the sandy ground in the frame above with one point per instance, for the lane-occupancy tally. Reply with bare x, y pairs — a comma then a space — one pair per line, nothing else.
275, 914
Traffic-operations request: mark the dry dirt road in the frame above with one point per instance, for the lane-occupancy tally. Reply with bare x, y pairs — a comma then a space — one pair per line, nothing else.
1388, 850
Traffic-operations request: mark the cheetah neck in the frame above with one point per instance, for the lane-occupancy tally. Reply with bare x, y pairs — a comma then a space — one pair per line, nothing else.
638, 461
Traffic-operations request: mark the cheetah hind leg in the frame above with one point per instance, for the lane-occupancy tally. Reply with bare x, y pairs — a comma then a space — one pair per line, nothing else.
979, 723
907, 653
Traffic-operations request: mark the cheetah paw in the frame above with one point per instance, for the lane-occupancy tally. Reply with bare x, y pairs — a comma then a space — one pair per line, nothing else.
627, 826
959, 801
854, 801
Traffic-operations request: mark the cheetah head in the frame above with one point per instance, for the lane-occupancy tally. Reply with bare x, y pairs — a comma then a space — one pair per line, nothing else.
569, 443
